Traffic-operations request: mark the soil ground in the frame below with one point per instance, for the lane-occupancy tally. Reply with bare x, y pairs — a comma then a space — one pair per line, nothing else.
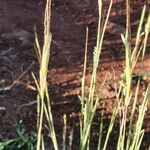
69, 21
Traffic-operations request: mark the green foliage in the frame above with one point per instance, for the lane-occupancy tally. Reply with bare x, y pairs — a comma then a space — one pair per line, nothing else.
24, 141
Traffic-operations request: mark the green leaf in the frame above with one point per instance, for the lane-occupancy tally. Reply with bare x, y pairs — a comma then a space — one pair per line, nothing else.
5, 144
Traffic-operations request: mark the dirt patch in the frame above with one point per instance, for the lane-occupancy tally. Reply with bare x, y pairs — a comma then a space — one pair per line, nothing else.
69, 20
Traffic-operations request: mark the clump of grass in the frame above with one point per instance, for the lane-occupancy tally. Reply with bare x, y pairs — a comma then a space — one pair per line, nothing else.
88, 108
43, 99
135, 133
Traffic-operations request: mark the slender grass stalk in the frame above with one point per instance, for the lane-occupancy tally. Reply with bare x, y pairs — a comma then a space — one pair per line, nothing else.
37, 45
40, 121
139, 35
147, 31
64, 147
70, 139
100, 132
84, 71
128, 73
128, 21
43, 145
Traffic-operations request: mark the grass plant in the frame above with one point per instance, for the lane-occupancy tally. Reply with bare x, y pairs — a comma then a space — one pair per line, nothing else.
89, 106
127, 139
43, 99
